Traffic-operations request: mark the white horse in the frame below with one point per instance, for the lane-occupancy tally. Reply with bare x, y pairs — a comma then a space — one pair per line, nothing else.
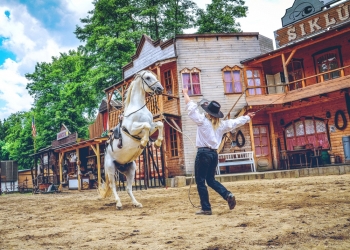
137, 126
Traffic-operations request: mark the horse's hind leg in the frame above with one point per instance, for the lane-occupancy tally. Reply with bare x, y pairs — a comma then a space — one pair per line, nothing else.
110, 172
130, 176
111, 177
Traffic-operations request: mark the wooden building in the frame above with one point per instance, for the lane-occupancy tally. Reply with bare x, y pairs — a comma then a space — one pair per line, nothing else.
300, 91
210, 65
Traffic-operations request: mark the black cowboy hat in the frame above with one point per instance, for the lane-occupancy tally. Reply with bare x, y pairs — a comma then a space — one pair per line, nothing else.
213, 109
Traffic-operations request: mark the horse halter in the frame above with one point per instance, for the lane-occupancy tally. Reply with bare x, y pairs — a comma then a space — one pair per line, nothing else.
144, 82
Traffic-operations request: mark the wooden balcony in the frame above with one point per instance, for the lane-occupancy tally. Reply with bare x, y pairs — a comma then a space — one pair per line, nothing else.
320, 88
158, 105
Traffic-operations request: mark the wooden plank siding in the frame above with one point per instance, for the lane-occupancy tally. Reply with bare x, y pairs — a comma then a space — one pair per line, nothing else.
210, 54
96, 129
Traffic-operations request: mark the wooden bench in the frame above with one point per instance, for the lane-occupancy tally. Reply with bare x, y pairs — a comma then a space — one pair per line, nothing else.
234, 159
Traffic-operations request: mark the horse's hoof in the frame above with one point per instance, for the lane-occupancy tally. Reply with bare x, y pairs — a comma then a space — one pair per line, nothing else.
119, 208
138, 205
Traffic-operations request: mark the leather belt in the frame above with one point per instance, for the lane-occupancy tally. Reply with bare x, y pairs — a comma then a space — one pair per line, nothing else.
206, 149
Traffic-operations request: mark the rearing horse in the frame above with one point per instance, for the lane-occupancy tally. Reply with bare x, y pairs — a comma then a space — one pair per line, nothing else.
137, 126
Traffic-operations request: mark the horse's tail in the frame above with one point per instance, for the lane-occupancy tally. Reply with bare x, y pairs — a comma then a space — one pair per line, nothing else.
104, 189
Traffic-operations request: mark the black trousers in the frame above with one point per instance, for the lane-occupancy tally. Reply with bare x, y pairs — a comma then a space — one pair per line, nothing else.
205, 167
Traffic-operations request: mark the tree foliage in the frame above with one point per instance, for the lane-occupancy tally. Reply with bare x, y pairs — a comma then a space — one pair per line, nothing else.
69, 89
220, 16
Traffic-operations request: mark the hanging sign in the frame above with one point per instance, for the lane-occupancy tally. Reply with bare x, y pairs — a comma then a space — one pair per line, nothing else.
314, 24
62, 134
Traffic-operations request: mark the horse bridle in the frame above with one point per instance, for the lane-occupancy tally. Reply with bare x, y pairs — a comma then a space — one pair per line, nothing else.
143, 85
144, 82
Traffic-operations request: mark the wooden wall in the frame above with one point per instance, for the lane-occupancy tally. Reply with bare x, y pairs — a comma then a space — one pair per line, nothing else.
96, 129
170, 105
23, 176
174, 165
210, 55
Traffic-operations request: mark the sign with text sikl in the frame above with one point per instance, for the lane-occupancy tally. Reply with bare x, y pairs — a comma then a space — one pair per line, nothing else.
304, 8
315, 24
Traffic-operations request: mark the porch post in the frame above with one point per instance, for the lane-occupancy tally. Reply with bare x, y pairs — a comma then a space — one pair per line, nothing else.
285, 71
98, 164
274, 147
78, 162
60, 157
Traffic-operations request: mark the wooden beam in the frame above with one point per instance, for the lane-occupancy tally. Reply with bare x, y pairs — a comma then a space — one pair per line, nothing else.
285, 71
175, 124
290, 56
273, 140
98, 164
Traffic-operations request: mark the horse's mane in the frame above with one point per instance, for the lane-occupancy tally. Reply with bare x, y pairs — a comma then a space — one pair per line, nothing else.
128, 94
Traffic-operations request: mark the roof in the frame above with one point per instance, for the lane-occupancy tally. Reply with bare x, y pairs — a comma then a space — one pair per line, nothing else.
113, 103
217, 35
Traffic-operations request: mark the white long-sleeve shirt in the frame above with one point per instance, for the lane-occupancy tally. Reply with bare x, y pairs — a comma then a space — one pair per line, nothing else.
206, 135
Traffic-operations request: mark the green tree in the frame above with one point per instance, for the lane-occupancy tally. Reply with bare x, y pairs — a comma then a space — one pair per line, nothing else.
179, 15
220, 16
62, 94
18, 144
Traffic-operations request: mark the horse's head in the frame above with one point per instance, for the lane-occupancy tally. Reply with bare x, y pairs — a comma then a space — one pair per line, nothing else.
150, 82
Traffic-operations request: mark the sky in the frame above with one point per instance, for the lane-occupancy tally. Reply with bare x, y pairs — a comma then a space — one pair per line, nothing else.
33, 31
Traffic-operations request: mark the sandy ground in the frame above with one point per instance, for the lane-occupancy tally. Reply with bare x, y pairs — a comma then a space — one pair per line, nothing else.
299, 213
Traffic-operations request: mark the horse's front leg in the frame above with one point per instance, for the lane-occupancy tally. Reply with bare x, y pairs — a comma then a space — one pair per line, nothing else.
160, 126
130, 176
137, 128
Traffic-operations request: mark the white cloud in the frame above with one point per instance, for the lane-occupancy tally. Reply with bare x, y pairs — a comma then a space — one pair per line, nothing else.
31, 43
13, 90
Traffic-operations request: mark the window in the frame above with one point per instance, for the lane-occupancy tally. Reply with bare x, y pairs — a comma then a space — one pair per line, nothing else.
168, 82
232, 79
295, 72
327, 60
173, 143
254, 80
306, 131
191, 80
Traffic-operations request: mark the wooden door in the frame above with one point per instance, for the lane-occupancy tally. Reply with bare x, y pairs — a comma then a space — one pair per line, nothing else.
262, 147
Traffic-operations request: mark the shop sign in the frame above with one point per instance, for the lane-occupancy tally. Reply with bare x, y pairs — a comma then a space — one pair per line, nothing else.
62, 134
313, 25
304, 8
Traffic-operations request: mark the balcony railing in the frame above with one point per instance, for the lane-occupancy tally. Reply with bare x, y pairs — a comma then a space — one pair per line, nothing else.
291, 86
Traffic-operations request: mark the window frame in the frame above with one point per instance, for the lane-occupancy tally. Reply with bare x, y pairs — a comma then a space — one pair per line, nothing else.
190, 71
318, 54
173, 143
303, 119
171, 81
262, 81
231, 70
296, 84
